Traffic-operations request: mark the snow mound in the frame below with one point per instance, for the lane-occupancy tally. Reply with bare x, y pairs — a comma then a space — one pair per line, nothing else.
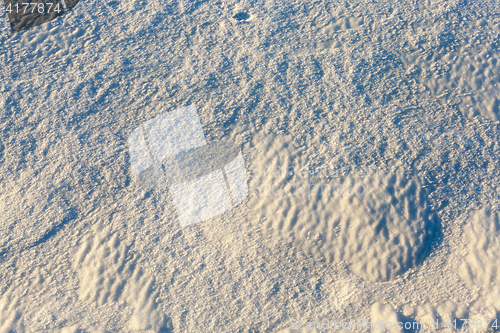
378, 221
9, 311
440, 316
384, 318
479, 268
109, 273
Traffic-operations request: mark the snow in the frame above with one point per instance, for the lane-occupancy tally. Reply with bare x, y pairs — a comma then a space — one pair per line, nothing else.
408, 91
479, 268
379, 221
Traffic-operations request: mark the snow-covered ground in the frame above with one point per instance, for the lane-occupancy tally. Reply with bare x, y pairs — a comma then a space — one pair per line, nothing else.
370, 133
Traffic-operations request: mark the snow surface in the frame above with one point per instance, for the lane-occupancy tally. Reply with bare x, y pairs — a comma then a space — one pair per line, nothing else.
407, 91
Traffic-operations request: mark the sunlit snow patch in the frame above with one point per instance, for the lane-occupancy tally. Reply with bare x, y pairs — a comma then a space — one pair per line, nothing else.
481, 237
378, 221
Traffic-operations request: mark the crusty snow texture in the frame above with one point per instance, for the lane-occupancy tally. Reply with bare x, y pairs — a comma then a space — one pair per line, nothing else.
405, 92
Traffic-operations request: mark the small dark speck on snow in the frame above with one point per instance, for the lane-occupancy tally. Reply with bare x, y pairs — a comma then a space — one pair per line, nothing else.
241, 16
